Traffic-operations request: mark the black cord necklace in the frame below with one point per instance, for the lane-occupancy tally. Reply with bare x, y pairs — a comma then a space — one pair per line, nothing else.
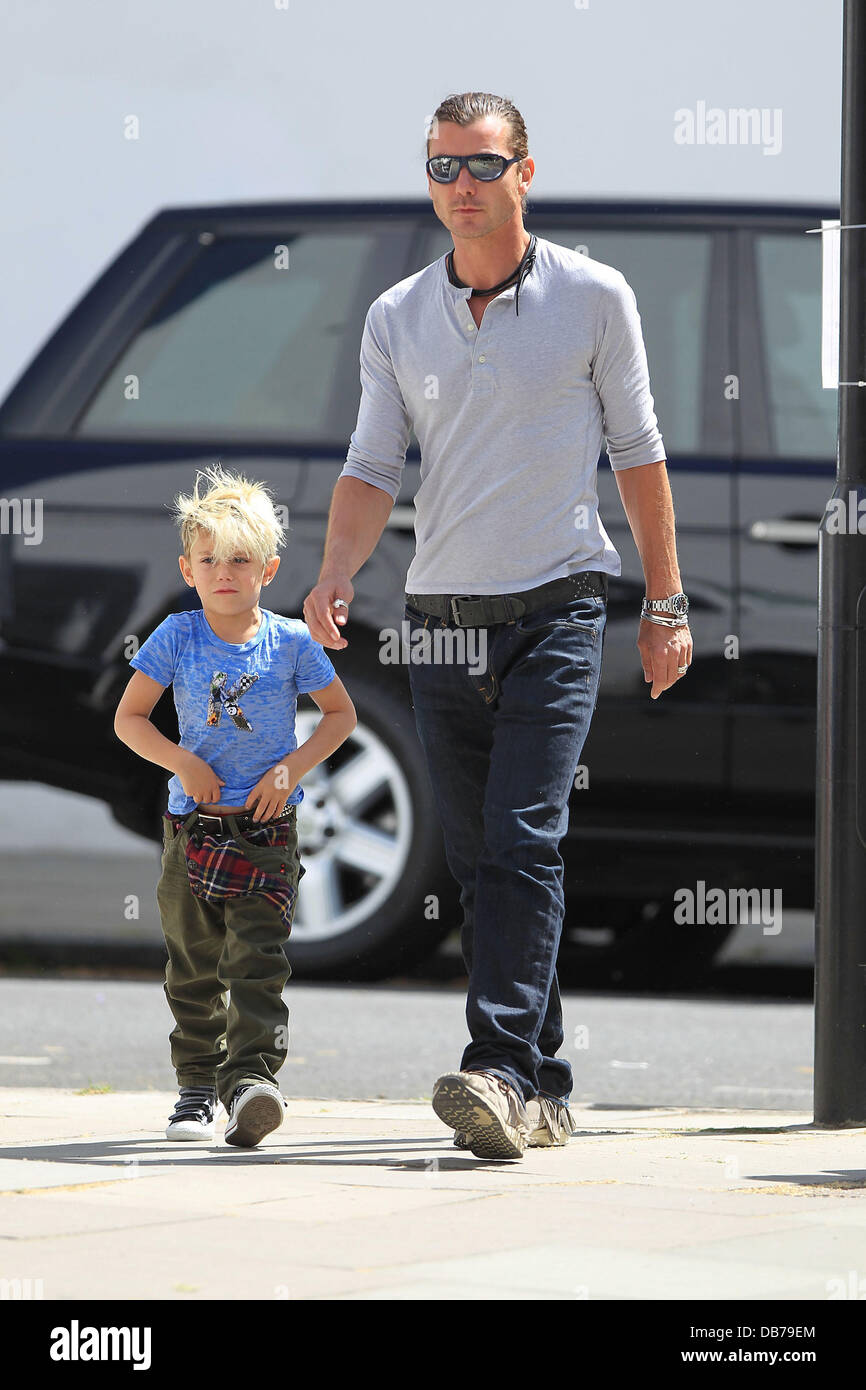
519, 273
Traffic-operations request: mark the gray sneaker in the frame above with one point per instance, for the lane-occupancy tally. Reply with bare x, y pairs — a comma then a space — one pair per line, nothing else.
486, 1110
551, 1123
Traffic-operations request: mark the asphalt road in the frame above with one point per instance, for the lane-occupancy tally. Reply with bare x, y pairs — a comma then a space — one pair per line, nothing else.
393, 1041
95, 893
719, 1048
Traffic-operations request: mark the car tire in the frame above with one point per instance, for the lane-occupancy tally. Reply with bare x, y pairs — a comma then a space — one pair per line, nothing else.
376, 896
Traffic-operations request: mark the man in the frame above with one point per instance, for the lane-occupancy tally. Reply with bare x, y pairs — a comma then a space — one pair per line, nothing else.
511, 356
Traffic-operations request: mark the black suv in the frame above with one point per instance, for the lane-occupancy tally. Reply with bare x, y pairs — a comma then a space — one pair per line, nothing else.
233, 332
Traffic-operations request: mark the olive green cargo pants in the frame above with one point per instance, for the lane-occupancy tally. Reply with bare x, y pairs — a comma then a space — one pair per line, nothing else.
235, 945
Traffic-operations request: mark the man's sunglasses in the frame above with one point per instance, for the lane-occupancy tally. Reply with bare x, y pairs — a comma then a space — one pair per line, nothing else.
445, 168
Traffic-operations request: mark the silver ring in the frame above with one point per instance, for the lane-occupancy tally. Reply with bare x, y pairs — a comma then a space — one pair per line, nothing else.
340, 603
681, 670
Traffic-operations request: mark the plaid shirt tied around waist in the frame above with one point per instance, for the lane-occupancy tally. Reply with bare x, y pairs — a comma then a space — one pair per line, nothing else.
223, 868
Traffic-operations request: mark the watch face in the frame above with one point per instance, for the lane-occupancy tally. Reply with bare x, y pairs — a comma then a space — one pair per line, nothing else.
680, 604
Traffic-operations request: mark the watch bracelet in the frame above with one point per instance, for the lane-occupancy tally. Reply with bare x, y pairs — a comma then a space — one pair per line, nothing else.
665, 622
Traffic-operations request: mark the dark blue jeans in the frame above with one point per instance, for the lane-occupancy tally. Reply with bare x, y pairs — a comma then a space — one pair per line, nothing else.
502, 749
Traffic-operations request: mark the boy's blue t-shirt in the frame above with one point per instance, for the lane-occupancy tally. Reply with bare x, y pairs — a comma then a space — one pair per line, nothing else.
235, 702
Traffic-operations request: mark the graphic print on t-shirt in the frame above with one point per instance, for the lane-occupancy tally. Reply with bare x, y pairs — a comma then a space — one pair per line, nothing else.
221, 698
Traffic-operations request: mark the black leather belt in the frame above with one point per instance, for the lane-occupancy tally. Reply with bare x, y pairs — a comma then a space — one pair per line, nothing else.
243, 819
482, 610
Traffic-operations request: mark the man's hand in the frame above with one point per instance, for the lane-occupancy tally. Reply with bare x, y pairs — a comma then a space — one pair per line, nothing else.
662, 649
320, 615
199, 780
273, 790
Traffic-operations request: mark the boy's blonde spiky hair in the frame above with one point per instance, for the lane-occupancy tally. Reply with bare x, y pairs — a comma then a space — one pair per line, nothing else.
236, 513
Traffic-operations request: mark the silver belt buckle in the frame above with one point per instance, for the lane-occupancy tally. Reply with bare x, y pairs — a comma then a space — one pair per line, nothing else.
457, 598
202, 815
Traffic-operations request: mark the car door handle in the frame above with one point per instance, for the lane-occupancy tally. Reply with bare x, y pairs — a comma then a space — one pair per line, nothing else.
785, 532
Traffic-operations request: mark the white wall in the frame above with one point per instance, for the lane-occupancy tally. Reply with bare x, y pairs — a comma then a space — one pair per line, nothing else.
250, 99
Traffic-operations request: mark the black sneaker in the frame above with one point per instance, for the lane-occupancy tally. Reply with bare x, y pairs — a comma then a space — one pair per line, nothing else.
194, 1114
255, 1110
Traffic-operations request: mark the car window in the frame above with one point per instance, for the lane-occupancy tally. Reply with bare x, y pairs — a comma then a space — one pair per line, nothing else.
669, 272
802, 414
251, 341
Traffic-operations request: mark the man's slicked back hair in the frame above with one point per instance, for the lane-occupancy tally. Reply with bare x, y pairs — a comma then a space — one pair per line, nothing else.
464, 108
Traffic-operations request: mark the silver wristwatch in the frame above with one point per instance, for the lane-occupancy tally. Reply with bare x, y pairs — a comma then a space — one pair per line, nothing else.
674, 606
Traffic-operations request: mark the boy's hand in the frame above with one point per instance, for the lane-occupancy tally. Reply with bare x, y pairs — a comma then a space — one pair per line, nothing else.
199, 780
273, 790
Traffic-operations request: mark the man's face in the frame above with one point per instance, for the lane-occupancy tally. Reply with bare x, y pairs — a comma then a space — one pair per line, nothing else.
491, 204
230, 587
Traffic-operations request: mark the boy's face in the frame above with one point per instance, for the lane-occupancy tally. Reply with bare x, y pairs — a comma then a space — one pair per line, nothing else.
228, 587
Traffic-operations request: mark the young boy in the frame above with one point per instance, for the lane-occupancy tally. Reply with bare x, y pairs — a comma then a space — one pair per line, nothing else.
230, 864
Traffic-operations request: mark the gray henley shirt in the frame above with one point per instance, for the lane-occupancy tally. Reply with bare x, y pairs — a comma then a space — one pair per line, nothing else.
509, 417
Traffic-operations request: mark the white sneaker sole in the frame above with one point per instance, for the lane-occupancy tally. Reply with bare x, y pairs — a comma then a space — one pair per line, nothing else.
487, 1133
260, 1111
189, 1131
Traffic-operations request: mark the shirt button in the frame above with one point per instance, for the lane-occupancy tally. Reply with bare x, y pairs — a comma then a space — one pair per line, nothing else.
470, 328
482, 358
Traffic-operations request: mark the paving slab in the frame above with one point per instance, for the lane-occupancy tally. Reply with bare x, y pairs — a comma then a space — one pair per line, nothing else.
369, 1200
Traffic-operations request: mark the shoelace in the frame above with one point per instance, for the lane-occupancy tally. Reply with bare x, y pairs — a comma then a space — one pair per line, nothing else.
195, 1103
508, 1091
238, 1093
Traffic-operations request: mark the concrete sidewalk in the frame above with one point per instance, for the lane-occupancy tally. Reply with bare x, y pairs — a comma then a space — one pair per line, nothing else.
369, 1200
